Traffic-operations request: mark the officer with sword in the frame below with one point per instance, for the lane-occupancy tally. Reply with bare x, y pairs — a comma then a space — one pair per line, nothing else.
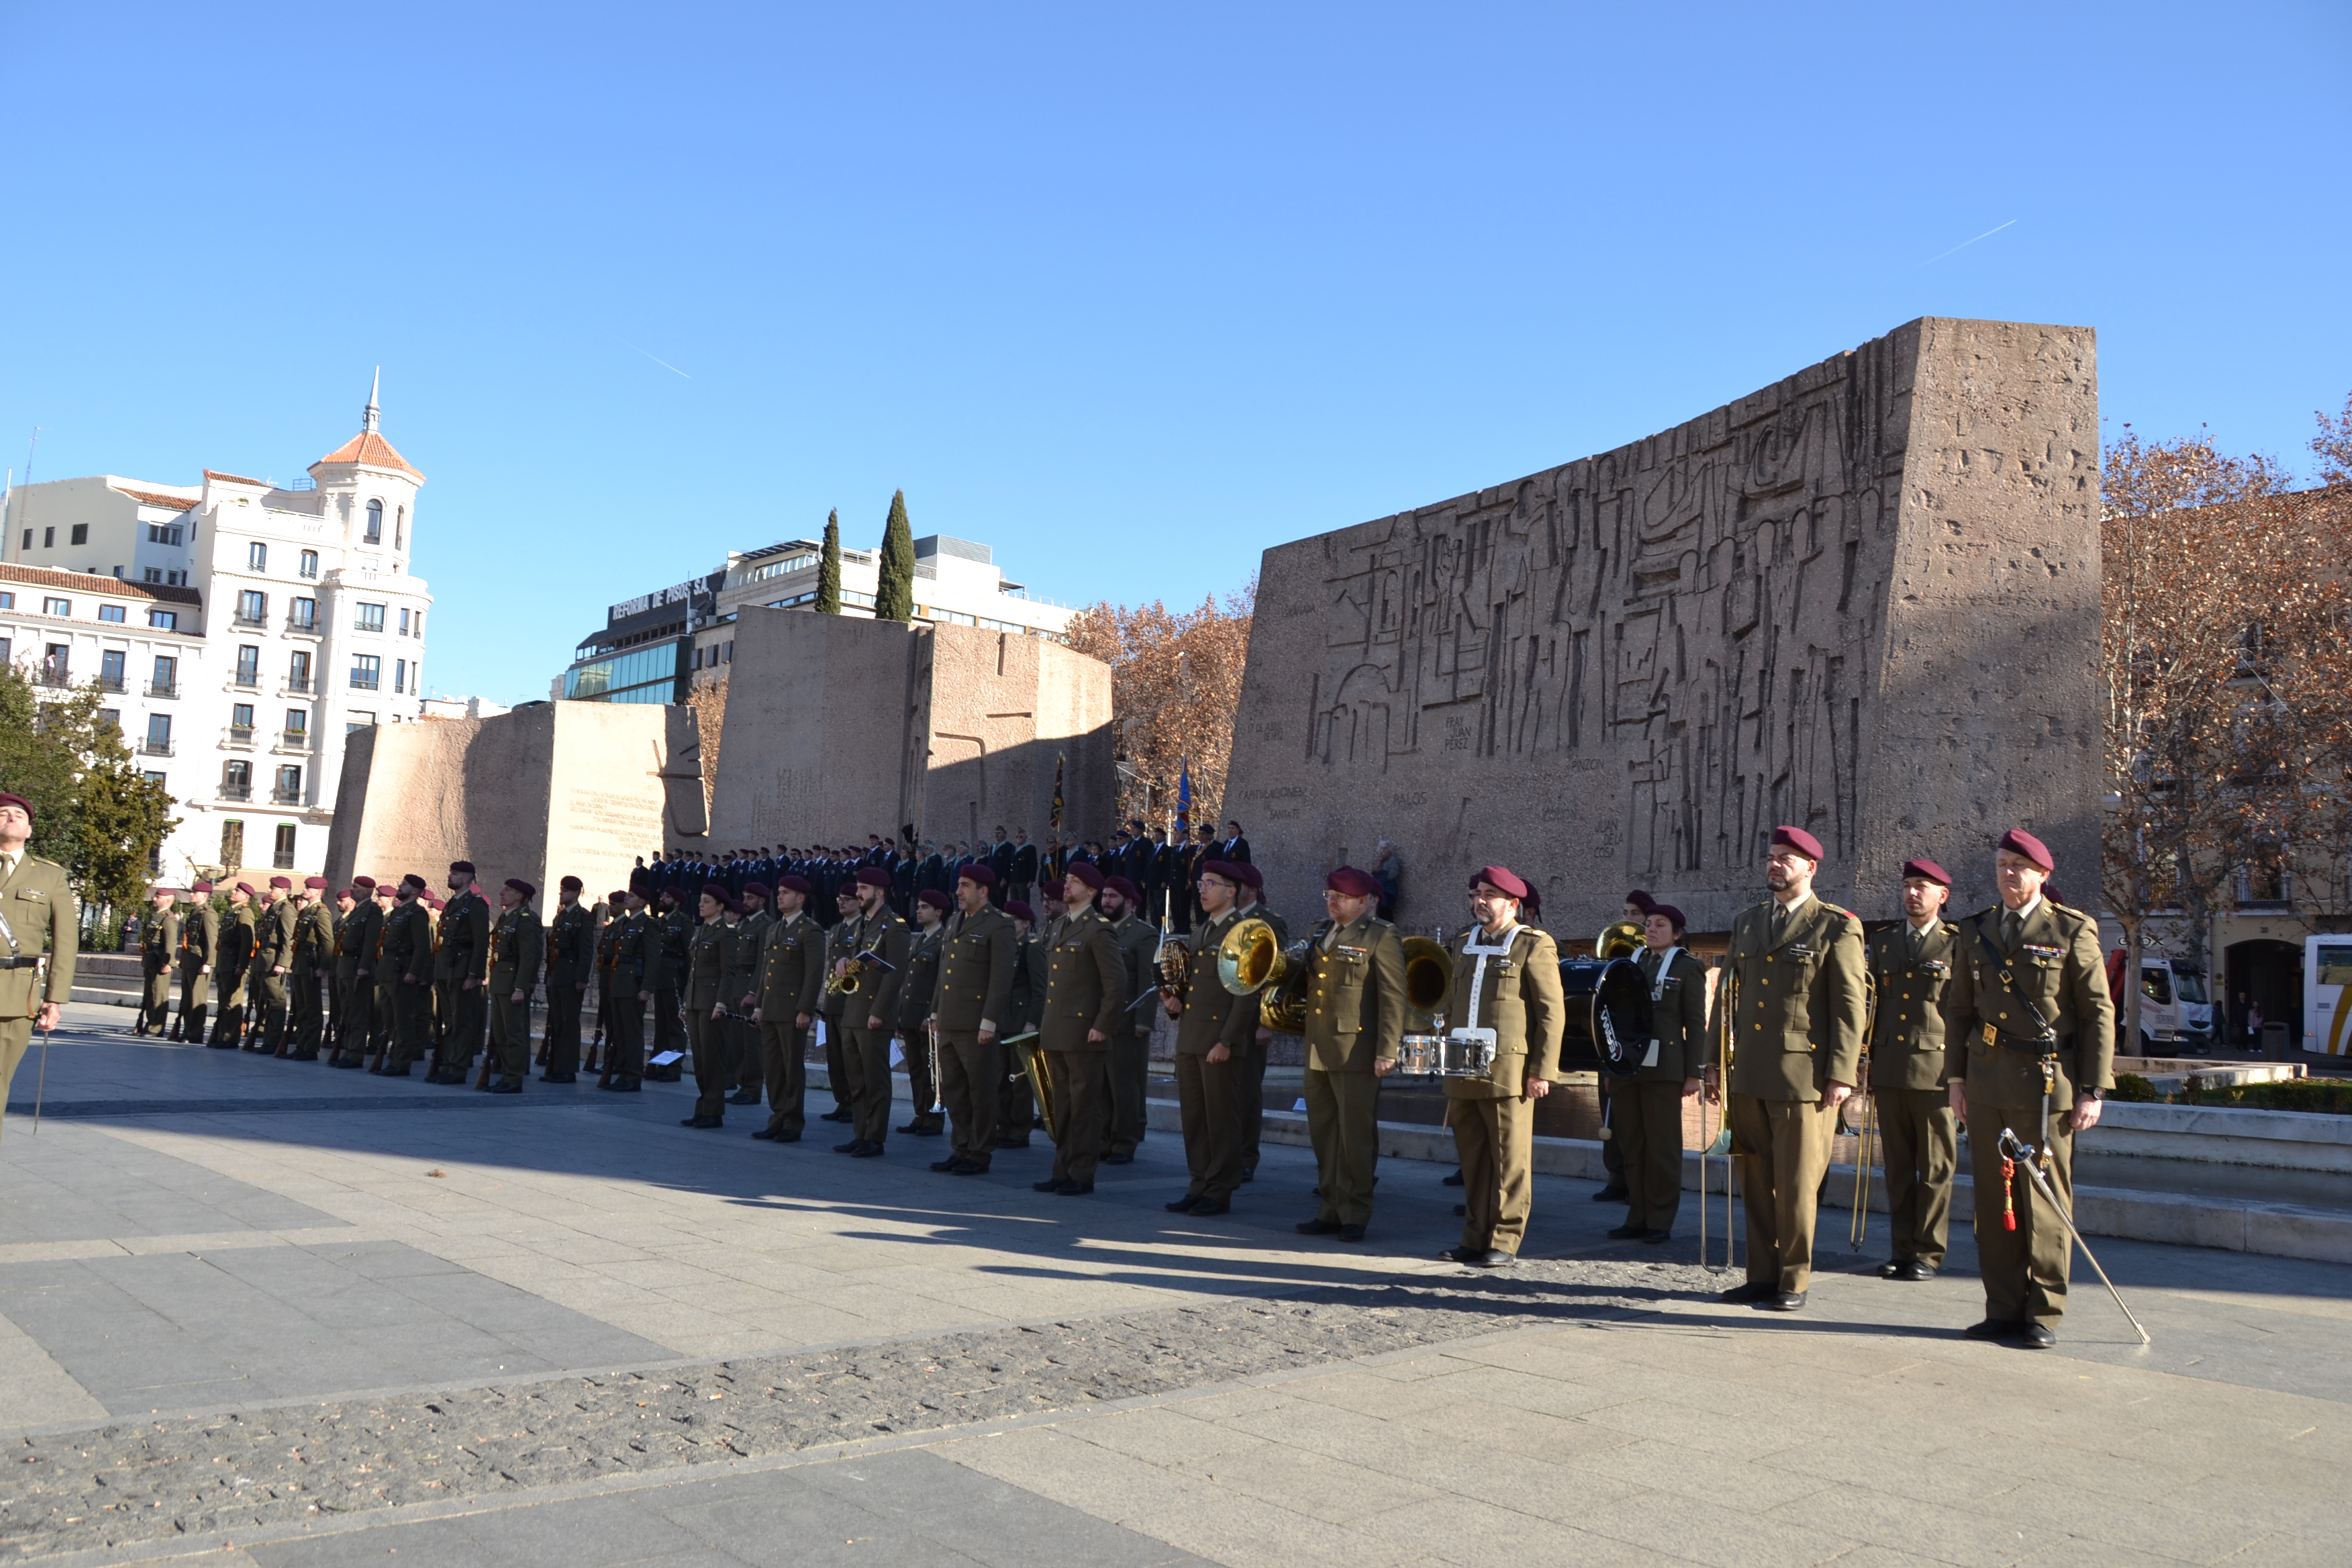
36, 911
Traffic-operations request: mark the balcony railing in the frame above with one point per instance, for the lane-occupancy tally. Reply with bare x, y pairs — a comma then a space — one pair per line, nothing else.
110, 683
163, 688
236, 792
242, 619
153, 747
302, 623
284, 796
53, 675
241, 734
366, 683
300, 739
298, 684
248, 678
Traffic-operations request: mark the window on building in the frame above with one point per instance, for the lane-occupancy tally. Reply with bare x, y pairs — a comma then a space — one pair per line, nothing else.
49, 539
374, 534
232, 843
355, 720
7, 649
154, 575
110, 719
176, 579
367, 672
289, 783
248, 665
367, 617
420, 623
257, 556
298, 671
7, 601
81, 533
297, 726
400, 528
109, 668
302, 615
115, 614
282, 857
236, 779
310, 564
28, 539
167, 677
252, 607
162, 533
399, 675
404, 622
57, 663
53, 607
163, 620
159, 735
240, 721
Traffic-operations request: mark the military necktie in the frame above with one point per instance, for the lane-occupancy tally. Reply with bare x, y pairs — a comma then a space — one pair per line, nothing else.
1917, 938
2012, 923
1780, 921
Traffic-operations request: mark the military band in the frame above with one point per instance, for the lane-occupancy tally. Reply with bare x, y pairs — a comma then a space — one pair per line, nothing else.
1086, 1001
1354, 997
1911, 973
1216, 1028
1646, 1111
971, 1009
791, 978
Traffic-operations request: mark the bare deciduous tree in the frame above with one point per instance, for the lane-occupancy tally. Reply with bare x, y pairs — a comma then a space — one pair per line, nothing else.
1176, 684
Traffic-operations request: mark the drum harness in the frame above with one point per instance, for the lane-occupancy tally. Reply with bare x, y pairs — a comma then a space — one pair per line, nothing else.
1472, 948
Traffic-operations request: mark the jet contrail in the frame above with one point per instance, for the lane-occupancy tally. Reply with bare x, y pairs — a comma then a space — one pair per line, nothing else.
656, 358
1929, 262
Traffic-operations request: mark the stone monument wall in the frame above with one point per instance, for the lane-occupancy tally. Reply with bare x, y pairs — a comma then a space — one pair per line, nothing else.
1865, 600
838, 726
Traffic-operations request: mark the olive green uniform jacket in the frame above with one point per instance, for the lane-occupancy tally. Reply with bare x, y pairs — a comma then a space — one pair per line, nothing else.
1801, 1001
1214, 1015
233, 954
1907, 1044
977, 958
1519, 998
1355, 996
791, 969
921, 987
465, 951
1677, 1017
43, 917
517, 944
2055, 967
1086, 983
1139, 941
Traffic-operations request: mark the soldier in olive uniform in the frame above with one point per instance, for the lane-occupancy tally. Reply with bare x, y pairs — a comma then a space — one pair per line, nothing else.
355, 945
916, 994
407, 969
460, 966
273, 962
384, 976
2029, 1039
868, 1011
1131, 1043
1249, 900
1016, 1107
314, 944
1646, 1111
1638, 905
1505, 992
1086, 1001
570, 964
1910, 967
199, 933
705, 1010
791, 978
159, 938
517, 945
1214, 1028
1354, 990
1796, 1054
232, 958
838, 938
673, 924
347, 904
41, 916
972, 1010
751, 939
627, 959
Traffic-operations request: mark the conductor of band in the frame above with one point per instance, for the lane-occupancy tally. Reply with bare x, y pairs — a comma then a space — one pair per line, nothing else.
1505, 990
1796, 966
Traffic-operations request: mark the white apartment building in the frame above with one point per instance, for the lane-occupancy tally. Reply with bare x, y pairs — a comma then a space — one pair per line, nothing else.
296, 621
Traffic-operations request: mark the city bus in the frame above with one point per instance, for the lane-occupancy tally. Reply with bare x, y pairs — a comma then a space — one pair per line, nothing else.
2327, 974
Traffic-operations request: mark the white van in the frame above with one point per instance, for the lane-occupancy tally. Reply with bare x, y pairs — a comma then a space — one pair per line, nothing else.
2326, 975
2176, 1011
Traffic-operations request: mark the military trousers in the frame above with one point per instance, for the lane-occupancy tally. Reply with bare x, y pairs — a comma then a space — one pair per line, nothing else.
751, 1053
229, 1023
2026, 1271
1081, 1112
1495, 1138
922, 1083
1131, 1074
1918, 1137
668, 1030
713, 1044
195, 991
15, 1039
968, 1075
1343, 1123
457, 1048
382, 1019
1782, 1152
355, 1018
156, 1007
625, 1040
784, 1069
1209, 1098
836, 1060
1646, 1124
304, 1021
412, 1026
563, 1036
510, 1030
469, 1018
865, 1057
270, 994
1250, 1081
1016, 1105
1612, 1147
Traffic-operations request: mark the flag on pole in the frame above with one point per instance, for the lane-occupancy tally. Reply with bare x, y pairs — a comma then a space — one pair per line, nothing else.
1184, 799
1058, 759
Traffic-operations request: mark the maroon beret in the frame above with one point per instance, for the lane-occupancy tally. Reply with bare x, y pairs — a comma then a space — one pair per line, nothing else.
1354, 884
1019, 911
1641, 900
1218, 868
2017, 841
201, 888
985, 876
1247, 875
1502, 878
1798, 839
620, 895
570, 884
1124, 888
245, 888
464, 867
351, 893
1927, 869
520, 885
791, 882
286, 883
314, 881
368, 882
755, 890
846, 890
1674, 916
934, 898
874, 876
20, 803
413, 880
709, 890
1087, 872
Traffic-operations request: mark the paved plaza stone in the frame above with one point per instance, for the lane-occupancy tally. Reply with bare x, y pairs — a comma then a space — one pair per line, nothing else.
267, 1312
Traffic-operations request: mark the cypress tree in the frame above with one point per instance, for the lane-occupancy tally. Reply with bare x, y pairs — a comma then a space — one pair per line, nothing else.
893, 594
828, 569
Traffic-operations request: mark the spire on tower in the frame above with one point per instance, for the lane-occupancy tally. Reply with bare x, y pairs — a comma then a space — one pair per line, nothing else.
371, 419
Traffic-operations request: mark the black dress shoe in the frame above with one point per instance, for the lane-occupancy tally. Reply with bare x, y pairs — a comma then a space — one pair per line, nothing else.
867, 1152
1050, 1184
1783, 1302
1461, 1211
1454, 1180
1656, 1237
744, 1097
1249, 1172
1745, 1295
1629, 1233
559, 1077
950, 1164
1073, 1189
1994, 1329
700, 1123
1209, 1208
1494, 1257
1913, 1271
1610, 1195
1892, 1270
763, 1134
510, 1088
836, 1116
922, 1127
1318, 1227
2038, 1335
1467, 1256
779, 1137
1117, 1159
1012, 1142
1351, 1233
852, 1147
625, 1086
967, 1168
1183, 1204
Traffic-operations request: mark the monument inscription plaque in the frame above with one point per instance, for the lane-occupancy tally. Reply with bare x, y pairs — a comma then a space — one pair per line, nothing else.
1865, 600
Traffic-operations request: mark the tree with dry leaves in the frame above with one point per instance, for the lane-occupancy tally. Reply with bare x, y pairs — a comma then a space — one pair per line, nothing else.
1176, 685
709, 700
2228, 693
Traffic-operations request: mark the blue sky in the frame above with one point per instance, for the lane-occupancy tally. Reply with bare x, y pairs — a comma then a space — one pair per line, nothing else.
1130, 292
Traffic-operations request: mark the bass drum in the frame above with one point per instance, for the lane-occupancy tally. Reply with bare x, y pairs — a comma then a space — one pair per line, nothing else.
1621, 1017
1579, 978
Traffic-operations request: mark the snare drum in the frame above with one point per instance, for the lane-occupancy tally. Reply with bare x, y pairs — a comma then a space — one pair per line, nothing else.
1418, 1055
1466, 1053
